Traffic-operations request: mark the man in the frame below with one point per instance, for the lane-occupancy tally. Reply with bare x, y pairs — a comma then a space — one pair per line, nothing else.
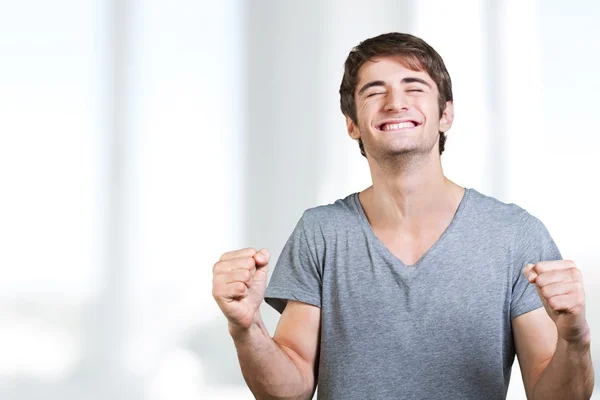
415, 288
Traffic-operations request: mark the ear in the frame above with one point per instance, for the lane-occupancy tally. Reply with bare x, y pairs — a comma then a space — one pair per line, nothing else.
353, 131
447, 117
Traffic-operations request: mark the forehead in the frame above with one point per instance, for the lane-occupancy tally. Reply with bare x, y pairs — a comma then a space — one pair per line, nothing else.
391, 68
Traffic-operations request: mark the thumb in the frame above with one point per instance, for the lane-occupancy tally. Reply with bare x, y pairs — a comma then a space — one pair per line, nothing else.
262, 258
530, 273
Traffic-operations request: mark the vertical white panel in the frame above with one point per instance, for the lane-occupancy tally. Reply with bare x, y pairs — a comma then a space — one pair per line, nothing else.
186, 189
49, 153
457, 34
52, 158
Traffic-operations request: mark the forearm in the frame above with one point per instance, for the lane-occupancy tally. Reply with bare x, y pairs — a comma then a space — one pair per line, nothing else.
569, 375
268, 369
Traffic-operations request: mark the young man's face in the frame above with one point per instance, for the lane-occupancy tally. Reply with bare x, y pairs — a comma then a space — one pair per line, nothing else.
397, 110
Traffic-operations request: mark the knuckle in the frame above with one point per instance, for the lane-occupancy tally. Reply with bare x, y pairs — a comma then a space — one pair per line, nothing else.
225, 255
248, 252
234, 253
249, 262
541, 280
240, 289
246, 275
575, 273
546, 292
218, 268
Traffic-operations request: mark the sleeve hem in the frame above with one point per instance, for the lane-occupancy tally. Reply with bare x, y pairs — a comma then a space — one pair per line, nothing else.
277, 298
523, 309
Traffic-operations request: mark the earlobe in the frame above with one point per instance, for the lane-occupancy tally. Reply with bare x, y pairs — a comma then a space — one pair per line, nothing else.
444, 125
447, 117
352, 128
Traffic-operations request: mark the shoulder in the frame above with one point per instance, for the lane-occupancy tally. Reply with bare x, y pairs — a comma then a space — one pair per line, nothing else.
512, 225
492, 211
332, 216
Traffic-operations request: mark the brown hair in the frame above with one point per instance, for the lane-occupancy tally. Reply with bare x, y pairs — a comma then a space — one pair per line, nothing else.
415, 53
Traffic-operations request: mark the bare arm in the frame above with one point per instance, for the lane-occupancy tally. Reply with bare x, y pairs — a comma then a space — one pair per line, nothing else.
569, 375
551, 367
282, 367
553, 342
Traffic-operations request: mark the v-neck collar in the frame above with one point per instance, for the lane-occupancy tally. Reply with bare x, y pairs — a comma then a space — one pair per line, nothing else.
369, 229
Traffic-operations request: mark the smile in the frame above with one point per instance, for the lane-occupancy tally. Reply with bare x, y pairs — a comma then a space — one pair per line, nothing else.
396, 126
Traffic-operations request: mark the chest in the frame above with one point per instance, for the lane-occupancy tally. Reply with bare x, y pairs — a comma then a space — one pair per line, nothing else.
449, 295
408, 244
406, 247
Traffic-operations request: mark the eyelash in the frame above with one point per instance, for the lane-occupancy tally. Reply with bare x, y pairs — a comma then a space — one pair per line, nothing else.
411, 90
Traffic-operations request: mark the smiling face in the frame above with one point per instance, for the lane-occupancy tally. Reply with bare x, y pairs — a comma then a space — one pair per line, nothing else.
397, 110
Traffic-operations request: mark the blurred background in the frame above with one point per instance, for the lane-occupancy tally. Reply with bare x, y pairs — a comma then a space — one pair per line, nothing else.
139, 140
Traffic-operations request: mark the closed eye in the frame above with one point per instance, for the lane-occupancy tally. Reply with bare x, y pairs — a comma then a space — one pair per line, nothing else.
374, 94
415, 90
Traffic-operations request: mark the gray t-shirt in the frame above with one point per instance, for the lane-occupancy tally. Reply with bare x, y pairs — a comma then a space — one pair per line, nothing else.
439, 329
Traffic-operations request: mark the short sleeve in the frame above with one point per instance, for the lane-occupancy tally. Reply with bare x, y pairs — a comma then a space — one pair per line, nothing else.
532, 243
296, 275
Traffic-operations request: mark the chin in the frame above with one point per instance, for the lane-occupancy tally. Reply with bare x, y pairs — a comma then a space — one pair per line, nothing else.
406, 151
399, 147
395, 153
404, 148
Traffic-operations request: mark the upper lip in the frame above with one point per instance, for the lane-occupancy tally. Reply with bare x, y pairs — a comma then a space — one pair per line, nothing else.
397, 121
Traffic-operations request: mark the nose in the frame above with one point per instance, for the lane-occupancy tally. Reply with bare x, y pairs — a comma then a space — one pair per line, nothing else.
396, 101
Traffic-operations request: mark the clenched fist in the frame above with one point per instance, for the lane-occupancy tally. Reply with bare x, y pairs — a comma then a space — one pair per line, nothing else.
239, 283
560, 287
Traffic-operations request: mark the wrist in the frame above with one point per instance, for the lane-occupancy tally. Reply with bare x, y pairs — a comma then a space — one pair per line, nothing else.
239, 332
580, 342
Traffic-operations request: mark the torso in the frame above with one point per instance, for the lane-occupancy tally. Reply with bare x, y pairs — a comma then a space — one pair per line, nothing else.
438, 329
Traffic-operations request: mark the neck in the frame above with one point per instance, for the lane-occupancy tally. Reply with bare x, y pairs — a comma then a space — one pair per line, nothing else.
409, 192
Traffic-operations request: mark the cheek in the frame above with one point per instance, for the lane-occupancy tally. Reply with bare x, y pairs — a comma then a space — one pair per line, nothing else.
368, 106
431, 113
366, 110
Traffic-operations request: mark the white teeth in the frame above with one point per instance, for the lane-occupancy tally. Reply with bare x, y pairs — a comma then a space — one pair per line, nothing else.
401, 125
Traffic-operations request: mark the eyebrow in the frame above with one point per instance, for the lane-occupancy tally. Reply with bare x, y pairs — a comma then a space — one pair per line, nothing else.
410, 79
